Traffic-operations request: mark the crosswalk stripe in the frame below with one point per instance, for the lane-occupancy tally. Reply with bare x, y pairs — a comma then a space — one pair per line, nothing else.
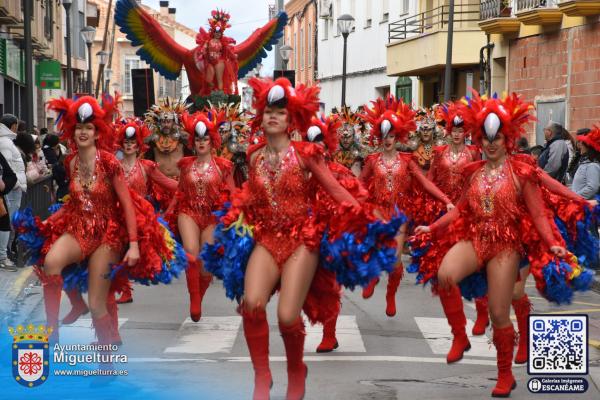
81, 331
319, 358
347, 334
209, 335
439, 337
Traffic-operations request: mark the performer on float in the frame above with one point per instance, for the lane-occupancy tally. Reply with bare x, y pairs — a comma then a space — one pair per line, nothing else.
205, 184
446, 172
276, 201
392, 179
324, 132
501, 213
142, 176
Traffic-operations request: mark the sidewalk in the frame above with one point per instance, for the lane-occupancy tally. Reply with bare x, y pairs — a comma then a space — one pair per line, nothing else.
12, 290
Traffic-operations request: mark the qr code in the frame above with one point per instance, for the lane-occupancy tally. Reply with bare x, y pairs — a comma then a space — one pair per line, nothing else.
558, 344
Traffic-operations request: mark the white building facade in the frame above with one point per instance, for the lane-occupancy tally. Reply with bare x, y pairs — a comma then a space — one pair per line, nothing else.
366, 77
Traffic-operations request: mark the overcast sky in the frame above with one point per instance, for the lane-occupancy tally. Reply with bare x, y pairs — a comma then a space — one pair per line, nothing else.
246, 16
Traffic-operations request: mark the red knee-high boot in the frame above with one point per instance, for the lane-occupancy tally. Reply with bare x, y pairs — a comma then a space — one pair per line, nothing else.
329, 342
126, 295
113, 311
52, 288
392, 287
504, 340
483, 317
104, 332
78, 309
256, 331
370, 288
192, 275
453, 308
204, 284
522, 309
293, 340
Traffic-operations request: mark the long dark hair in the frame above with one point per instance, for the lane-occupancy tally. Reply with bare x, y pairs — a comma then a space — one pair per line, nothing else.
592, 154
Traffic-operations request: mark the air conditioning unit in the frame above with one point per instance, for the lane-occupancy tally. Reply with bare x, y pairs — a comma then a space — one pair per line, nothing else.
325, 9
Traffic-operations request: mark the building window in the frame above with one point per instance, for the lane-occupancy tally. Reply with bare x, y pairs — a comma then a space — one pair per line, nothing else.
385, 11
48, 19
295, 50
405, 7
325, 29
368, 14
81, 48
338, 12
309, 45
301, 48
131, 62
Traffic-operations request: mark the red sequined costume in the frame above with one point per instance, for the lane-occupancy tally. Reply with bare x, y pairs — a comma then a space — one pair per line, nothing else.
278, 199
144, 175
446, 169
393, 184
203, 188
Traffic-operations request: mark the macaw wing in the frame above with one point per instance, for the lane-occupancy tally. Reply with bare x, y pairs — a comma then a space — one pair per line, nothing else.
157, 48
254, 49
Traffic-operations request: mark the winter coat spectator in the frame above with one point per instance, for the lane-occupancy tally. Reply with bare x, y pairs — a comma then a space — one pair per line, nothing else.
586, 181
555, 157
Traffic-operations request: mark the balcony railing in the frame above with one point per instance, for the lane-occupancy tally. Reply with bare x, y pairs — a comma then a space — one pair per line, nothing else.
531, 4
465, 15
492, 9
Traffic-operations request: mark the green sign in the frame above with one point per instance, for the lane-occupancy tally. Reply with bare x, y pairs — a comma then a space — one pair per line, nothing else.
48, 74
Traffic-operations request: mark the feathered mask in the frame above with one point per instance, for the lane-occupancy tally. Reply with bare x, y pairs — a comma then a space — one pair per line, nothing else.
167, 110
492, 116
324, 130
301, 103
133, 129
201, 124
390, 117
86, 110
219, 21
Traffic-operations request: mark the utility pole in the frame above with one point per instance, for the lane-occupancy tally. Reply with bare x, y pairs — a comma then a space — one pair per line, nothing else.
278, 60
27, 14
104, 39
448, 72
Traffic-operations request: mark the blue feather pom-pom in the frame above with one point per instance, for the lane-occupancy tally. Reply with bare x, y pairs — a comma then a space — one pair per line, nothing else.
29, 234
474, 285
357, 261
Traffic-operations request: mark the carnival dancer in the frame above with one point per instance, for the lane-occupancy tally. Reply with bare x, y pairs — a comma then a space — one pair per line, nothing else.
446, 172
500, 214
425, 139
324, 132
284, 248
350, 153
235, 132
205, 184
141, 175
86, 239
393, 179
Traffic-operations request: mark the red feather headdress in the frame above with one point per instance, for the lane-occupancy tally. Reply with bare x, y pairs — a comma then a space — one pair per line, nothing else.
201, 124
133, 128
219, 21
452, 115
490, 116
592, 138
302, 102
390, 117
327, 128
82, 110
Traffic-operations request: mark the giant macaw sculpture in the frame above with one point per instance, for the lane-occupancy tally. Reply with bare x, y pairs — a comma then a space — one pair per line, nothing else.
215, 64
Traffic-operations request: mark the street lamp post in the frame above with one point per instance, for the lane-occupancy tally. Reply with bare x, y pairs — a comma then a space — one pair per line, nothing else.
107, 76
285, 52
102, 60
67, 5
345, 25
88, 34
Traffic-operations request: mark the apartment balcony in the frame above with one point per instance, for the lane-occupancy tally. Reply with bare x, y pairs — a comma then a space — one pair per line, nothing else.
496, 17
10, 12
538, 12
417, 44
580, 8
